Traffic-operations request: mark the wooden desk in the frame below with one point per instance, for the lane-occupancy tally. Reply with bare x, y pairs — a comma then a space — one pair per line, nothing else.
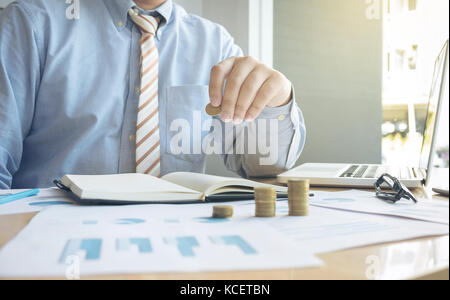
426, 258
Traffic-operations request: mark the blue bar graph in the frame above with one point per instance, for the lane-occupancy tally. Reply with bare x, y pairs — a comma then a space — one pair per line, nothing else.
210, 220
129, 221
90, 222
143, 244
91, 247
185, 245
172, 221
234, 240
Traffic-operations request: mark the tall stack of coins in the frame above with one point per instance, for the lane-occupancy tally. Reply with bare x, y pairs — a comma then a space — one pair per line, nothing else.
298, 195
265, 202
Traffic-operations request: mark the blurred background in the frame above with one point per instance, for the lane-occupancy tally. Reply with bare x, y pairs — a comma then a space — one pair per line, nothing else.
413, 32
362, 70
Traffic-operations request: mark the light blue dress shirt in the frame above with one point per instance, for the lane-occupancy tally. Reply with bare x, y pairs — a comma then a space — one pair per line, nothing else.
69, 91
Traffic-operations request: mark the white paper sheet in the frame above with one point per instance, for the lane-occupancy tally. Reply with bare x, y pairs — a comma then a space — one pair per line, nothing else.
46, 198
326, 230
145, 239
281, 242
361, 201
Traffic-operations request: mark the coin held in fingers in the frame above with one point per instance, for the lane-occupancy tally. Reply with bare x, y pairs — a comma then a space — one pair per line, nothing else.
213, 111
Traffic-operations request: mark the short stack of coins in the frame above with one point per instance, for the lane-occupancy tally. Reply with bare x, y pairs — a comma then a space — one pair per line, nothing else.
265, 202
298, 195
222, 211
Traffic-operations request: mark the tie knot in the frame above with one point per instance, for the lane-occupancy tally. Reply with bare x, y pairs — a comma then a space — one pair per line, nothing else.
147, 24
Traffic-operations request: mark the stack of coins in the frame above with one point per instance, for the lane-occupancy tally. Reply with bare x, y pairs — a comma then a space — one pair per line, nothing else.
265, 202
222, 211
298, 194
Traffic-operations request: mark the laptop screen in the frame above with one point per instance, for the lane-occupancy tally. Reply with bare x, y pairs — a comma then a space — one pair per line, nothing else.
433, 109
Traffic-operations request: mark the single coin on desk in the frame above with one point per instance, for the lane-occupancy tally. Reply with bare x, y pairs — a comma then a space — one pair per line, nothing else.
223, 211
213, 111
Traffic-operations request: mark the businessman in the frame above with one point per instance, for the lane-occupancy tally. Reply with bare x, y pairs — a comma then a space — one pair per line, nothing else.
93, 87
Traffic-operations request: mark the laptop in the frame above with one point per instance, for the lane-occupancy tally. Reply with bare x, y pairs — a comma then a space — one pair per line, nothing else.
365, 175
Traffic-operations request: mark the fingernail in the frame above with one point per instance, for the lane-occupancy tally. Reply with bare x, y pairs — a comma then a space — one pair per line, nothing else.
237, 121
226, 118
215, 102
249, 118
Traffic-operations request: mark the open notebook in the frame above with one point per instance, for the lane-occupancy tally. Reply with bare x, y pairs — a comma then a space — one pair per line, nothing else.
172, 188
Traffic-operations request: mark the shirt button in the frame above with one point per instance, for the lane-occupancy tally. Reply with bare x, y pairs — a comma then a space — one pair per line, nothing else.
132, 138
120, 24
137, 89
281, 117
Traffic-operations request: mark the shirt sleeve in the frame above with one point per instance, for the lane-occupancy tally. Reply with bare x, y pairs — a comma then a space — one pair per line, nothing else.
19, 82
279, 135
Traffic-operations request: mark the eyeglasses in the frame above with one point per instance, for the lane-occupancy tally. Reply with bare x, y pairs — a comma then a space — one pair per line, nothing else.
399, 190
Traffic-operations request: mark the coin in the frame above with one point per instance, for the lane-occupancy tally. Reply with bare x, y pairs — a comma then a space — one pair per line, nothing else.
299, 213
298, 197
213, 111
265, 202
222, 211
265, 194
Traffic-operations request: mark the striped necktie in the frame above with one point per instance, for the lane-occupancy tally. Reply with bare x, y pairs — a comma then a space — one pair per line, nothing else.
148, 150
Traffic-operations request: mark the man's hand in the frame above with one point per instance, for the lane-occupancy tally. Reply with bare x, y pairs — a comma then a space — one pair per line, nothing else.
250, 87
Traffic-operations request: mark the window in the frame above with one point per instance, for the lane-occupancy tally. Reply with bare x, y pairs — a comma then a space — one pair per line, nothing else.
413, 34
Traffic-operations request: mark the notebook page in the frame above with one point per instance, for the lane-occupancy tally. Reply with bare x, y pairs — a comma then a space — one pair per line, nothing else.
209, 184
86, 186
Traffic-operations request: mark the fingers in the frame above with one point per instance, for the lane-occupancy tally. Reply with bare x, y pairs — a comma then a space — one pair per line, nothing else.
219, 73
247, 87
269, 90
240, 72
248, 93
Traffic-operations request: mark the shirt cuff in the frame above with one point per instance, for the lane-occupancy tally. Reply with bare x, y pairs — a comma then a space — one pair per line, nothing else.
290, 119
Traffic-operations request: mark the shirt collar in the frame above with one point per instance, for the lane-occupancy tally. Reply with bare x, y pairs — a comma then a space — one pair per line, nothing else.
119, 12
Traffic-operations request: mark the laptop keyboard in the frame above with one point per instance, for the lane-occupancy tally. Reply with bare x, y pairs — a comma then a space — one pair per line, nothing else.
361, 171
373, 172
349, 172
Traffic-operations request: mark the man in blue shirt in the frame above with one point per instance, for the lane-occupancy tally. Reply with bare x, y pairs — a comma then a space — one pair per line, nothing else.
70, 85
